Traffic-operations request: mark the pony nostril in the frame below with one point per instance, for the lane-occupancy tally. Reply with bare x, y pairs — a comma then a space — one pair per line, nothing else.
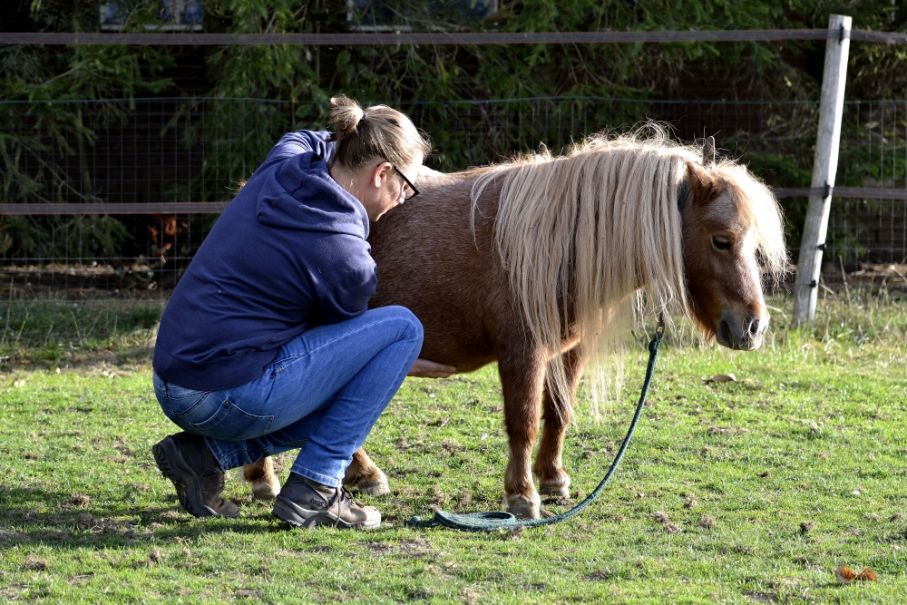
755, 327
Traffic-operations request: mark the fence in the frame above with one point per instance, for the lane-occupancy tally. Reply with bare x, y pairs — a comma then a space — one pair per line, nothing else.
123, 207
126, 209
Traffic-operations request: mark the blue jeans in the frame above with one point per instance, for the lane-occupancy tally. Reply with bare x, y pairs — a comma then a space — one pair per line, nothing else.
322, 393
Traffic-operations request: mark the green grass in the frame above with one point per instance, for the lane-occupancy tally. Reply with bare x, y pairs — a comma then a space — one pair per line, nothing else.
771, 481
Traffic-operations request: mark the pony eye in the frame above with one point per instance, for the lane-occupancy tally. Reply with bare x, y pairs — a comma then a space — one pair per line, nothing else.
721, 243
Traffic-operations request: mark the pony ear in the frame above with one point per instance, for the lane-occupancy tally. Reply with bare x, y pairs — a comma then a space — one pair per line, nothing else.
708, 151
703, 188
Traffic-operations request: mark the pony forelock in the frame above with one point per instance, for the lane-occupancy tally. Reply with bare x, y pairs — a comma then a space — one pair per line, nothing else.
758, 203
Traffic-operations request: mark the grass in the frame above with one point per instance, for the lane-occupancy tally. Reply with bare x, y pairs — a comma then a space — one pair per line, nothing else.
751, 491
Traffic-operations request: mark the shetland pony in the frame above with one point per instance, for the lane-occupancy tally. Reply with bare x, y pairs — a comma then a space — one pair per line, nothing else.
543, 263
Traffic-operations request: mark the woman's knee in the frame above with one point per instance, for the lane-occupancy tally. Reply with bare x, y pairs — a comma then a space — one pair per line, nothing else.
405, 321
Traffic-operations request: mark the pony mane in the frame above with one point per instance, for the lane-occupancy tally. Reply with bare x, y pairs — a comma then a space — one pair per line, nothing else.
591, 240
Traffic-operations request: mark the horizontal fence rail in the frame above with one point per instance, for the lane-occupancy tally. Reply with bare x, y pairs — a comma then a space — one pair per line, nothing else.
75, 209
435, 38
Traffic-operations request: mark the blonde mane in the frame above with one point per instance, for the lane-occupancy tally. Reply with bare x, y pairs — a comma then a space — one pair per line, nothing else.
592, 239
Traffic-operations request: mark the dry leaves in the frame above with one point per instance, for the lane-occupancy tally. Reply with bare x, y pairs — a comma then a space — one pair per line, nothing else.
846, 575
79, 500
727, 430
155, 556
470, 596
35, 564
666, 523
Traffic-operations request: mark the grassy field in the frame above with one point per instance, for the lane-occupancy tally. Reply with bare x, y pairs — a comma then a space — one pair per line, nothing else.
750, 491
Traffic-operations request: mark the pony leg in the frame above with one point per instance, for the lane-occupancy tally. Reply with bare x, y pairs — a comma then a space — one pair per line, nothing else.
557, 413
522, 377
260, 474
364, 476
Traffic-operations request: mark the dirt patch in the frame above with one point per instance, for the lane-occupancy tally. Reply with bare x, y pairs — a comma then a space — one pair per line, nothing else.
892, 276
87, 281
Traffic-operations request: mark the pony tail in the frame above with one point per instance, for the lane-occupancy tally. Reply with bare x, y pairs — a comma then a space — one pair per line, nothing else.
346, 114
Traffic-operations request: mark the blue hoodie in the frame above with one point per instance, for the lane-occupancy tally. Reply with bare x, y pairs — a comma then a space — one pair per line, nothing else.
288, 253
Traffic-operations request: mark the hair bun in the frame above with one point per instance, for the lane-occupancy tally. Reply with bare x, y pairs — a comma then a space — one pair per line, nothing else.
346, 115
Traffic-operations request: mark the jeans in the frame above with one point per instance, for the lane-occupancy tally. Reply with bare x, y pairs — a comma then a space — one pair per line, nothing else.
322, 393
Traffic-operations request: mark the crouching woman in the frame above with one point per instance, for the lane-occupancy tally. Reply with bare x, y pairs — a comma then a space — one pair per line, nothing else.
266, 343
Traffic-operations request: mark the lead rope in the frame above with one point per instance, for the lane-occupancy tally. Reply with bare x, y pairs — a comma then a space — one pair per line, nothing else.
492, 520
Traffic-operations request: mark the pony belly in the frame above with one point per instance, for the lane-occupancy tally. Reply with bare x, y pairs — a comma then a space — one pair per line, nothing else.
460, 355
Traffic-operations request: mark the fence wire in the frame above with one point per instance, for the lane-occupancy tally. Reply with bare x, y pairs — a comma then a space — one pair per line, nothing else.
142, 180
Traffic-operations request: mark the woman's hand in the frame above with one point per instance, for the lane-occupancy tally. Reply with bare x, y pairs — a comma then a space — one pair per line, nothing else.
430, 369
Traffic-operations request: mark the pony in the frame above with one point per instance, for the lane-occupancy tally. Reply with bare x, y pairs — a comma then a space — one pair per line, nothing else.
543, 263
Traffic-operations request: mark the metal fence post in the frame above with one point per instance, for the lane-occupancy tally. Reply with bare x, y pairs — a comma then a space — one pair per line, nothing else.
815, 228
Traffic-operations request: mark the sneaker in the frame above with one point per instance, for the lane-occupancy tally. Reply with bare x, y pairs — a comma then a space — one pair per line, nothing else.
305, 503
186, 460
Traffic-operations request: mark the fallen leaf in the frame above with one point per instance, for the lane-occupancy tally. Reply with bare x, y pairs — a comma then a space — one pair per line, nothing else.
719, 378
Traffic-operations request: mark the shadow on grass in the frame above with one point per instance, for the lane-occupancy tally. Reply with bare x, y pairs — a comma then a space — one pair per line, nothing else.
75, 526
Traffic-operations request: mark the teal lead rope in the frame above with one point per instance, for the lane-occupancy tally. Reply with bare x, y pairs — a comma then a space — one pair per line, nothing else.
489, 521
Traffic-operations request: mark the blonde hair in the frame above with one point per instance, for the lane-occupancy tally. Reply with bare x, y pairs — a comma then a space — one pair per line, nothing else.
379, 131
591, 239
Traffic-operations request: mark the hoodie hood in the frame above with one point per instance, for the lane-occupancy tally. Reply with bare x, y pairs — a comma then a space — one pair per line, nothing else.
299, 193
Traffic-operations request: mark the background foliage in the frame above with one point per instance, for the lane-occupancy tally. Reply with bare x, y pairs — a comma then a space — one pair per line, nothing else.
421, 79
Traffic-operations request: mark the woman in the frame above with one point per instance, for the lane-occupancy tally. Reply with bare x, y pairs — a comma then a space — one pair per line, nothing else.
266, 344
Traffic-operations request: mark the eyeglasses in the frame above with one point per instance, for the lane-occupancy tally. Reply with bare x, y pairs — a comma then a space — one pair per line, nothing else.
409, 190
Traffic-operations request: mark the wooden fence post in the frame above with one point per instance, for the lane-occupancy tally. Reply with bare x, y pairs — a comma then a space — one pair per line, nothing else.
825, 165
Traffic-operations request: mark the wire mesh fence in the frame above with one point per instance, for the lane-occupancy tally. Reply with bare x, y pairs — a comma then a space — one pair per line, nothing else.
114, 196
873, 154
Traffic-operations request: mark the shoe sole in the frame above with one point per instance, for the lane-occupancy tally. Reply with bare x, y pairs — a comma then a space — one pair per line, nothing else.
188, 486
301, 517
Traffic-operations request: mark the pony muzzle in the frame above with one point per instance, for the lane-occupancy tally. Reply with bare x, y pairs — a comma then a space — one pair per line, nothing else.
743, 332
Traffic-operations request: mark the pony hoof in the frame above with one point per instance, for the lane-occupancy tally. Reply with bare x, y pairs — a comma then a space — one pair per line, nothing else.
559, 487
376, 485
522, 507
263, 489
